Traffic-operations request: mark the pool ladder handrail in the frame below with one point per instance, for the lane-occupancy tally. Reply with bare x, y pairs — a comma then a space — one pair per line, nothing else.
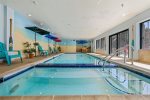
105, 59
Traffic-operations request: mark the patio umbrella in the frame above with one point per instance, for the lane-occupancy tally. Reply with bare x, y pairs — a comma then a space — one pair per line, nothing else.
57, 40
49, 36
37, 30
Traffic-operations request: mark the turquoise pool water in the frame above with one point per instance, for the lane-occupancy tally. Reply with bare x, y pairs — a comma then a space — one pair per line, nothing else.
78, 58
75, 81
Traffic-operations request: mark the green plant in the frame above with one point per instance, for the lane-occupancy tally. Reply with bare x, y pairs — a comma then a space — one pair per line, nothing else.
27, 48
59, 49
35, 43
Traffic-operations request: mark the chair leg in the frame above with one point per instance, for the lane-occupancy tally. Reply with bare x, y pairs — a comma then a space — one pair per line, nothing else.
21, 59
8, 59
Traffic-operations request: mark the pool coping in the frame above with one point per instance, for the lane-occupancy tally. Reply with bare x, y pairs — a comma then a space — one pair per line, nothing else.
23, 68
134, 68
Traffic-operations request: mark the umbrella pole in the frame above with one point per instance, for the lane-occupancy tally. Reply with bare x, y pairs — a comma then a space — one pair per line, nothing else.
48, 46
35, 45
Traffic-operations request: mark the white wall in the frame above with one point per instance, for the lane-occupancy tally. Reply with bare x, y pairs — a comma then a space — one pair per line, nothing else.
1, 23
6, 14
128, 25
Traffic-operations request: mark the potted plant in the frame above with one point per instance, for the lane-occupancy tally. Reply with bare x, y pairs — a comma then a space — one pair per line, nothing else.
28, 49
35, 44
59, 48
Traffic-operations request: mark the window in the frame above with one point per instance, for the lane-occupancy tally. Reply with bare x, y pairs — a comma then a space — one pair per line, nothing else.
113, 43
98, 44
119, 40
145, 35
103, 43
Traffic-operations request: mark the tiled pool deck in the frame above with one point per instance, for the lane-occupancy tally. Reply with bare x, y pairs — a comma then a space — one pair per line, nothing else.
100, 97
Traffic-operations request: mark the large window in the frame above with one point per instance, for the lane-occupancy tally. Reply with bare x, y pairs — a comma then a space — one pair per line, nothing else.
119, 40
98, 44
101, 44
113, 43
145, 35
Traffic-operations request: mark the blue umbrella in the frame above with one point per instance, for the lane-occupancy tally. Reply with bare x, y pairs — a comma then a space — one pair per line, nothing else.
51, 37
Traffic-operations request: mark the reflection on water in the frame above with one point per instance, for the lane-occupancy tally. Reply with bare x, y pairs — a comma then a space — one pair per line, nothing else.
132, 82
75, 81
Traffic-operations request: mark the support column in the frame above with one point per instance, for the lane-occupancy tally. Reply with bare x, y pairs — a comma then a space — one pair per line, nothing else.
8, 14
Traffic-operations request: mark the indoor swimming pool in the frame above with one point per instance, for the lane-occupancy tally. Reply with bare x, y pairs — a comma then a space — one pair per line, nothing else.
51, 80
74, 58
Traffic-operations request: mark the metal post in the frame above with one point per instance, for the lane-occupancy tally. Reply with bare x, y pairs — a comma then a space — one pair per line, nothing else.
125, 55
132, 55
35, 45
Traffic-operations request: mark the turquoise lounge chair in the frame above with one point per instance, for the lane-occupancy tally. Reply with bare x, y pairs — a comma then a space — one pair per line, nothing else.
42, 52
4, 54
50, 50
55, 50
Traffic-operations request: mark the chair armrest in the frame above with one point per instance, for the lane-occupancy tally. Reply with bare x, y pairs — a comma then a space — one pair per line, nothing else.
2, 51
14, 51
19, 52
44, 50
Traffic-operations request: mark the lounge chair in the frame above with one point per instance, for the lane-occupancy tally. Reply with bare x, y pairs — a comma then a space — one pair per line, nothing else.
42, 52
55, 50
4, 54
50, 50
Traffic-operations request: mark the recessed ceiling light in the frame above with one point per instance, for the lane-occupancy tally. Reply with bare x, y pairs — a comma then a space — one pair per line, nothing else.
29, 15
124, 14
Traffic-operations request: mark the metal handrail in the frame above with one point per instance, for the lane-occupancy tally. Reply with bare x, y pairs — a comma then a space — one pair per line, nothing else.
118, 51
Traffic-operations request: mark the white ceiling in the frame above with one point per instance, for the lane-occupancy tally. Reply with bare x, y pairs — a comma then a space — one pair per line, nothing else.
79, 19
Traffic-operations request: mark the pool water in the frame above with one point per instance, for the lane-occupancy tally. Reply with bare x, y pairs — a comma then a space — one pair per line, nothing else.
75, 81
78, 58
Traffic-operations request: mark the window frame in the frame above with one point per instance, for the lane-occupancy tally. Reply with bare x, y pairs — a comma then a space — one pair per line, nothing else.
117, 43
141, 33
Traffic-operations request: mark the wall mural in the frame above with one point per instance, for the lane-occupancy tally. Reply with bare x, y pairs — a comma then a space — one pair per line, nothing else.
83, 46
22, 35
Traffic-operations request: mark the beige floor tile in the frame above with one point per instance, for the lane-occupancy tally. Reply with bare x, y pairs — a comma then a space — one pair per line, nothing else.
134, 97
87, 97
146, 97
116, 97
11, 98
102, 97
67, 98
37, 98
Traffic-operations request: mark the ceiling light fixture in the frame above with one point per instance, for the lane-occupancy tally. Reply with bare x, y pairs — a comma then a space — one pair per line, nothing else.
35, 2
123, 14
29, 15
122, 5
